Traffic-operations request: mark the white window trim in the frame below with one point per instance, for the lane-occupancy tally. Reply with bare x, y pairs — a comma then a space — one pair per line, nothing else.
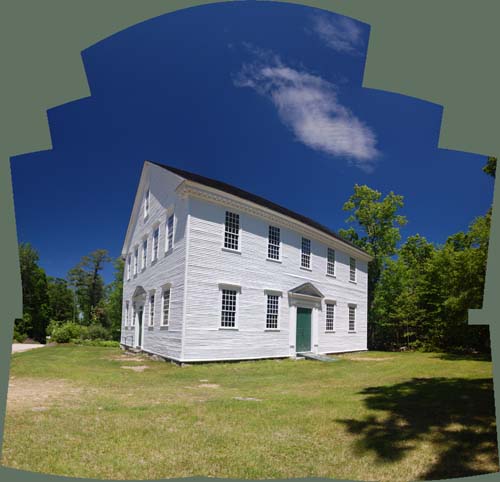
352, 305
233, 287
147, 201
167, 287
136, 260
230, 250
144, 253
355, 280
129, 266
151, 320
334, 275
170, 213
280, 247
134, 313
307, 268
279, 294
153, 253
127, 311
334, 303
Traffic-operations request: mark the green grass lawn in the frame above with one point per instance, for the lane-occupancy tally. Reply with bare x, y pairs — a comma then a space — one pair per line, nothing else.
76, 411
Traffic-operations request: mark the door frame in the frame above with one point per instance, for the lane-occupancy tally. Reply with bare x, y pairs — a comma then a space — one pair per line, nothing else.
309, 311
303, 301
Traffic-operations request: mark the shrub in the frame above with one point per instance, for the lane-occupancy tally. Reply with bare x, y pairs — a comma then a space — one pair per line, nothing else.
98, 332
64, 333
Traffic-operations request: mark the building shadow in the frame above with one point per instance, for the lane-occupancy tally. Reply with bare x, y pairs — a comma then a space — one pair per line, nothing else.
456, 415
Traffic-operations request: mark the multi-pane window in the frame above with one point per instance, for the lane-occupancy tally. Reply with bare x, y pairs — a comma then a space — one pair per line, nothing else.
144, 253
151, 310
129, 262
126, 321
352, 269
352, 318
136, 260
273, 246
134, 312
165, 306
305, 258
156, 236
170, 232
231, 230
228, 314
330, 316
330, 266
272, 312
146, 203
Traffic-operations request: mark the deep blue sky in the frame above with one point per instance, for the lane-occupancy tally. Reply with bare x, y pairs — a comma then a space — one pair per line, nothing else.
264, 96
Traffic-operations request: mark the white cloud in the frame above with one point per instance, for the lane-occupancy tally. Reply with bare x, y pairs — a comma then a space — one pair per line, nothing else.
309, 106
339, 33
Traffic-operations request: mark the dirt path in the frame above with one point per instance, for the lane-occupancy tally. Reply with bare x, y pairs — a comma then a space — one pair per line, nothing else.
18, 347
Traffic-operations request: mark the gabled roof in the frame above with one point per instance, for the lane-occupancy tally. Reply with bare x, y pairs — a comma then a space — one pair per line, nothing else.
236, 191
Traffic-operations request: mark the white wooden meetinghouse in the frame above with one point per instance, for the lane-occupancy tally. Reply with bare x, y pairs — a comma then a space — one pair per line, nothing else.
213, 272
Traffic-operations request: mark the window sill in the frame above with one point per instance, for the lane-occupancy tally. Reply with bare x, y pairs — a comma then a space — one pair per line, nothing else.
274, 260
151, 328
351, 332
305, 269
272, 329
330, 331
353, 282
331, 275
154, 261
169, 251
230, 328
229, 250
164, 327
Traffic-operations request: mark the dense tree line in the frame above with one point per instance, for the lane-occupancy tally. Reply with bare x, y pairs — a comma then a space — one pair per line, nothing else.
419, 292
81, 300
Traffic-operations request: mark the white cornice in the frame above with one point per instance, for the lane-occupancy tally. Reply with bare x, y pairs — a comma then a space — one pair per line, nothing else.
196, 190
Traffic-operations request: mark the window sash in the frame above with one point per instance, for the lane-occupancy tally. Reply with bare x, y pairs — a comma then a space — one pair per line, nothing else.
136, 260
232, 231
146, 203
330, 267
330, 316
126, 320
274, 241
144, 253
165, 307
228, 311
170, 232
352, 318
272, 312
151, 310
352, 269
305, 257
129, 262
156, 236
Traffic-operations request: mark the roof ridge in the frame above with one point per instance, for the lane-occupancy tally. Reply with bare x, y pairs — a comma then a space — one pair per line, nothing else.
226, 187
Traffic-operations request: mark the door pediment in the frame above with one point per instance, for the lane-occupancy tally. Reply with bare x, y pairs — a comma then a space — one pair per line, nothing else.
308, 290
139, 293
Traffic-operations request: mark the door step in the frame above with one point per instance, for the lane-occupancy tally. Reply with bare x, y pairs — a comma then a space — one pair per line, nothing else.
313, 356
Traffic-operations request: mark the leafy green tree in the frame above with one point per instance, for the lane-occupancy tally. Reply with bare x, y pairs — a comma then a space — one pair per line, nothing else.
61, 299
491, 166
375, 227
88, 283
35, 295
115, 299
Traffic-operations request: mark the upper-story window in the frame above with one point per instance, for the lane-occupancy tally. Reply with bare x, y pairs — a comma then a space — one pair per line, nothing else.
146, 203
273, 246
129, 263
330, 263
305, 258
228, 312
170, 233
144, 253
352, 269
136, 260
151, 309
330, 316
272, 312
352, 317
232, 231
156, 236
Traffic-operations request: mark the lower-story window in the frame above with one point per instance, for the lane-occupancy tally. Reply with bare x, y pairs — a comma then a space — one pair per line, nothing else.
126, 321
330, 316
228, 313
272, 312
352, 317
165, 306
151, 310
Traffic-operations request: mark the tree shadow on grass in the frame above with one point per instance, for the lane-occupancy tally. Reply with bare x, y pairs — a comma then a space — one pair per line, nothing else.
456, 415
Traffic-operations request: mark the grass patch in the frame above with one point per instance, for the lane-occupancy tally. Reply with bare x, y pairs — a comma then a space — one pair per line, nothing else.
74, 411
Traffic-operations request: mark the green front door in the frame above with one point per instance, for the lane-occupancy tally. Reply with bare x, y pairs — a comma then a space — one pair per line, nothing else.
303, 342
